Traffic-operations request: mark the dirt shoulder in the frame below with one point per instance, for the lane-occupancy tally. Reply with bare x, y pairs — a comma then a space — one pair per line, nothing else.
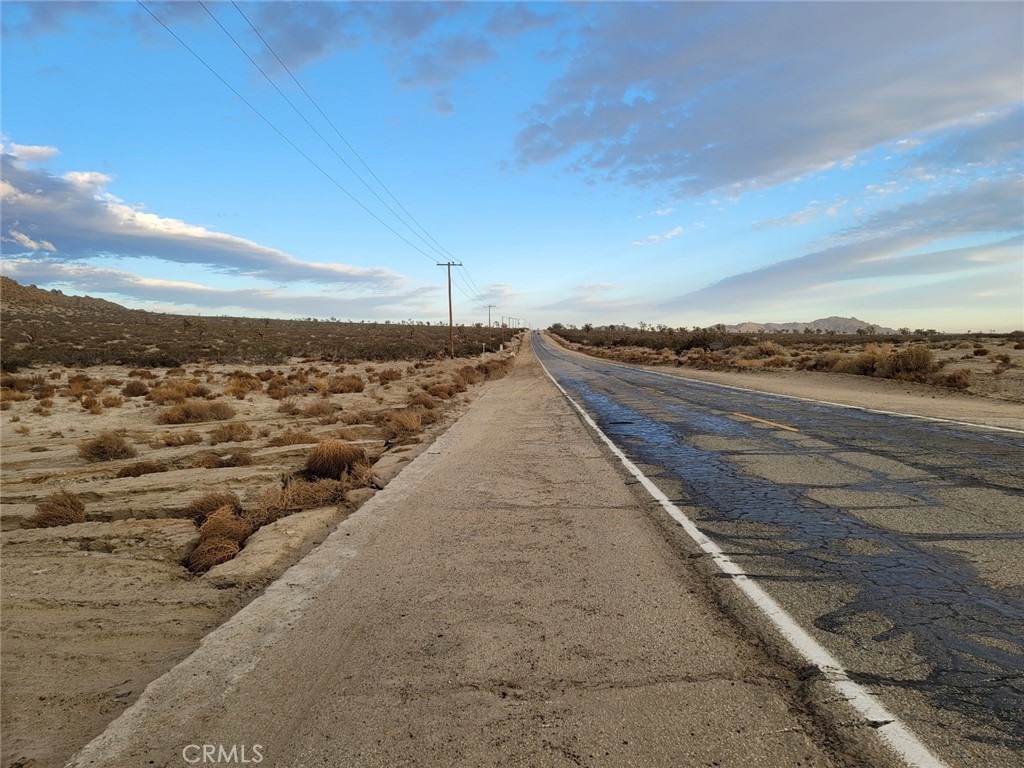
858, 391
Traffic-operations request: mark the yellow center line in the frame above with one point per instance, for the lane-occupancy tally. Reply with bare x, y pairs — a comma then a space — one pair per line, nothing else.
765, 421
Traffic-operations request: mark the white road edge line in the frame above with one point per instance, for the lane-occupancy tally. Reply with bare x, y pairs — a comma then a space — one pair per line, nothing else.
805, 399
898, 737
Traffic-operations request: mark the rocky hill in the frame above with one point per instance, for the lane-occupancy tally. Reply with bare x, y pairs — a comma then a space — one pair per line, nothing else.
838, 324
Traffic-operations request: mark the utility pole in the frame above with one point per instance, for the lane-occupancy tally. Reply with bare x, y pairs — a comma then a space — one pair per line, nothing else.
451, 325
489, 308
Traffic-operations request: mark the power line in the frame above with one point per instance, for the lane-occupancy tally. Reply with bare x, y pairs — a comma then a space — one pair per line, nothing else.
283, 136
338, 132
293, 145
311, 126
437, 245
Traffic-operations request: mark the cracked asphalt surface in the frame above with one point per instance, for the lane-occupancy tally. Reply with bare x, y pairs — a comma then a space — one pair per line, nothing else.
508, 600
896, 541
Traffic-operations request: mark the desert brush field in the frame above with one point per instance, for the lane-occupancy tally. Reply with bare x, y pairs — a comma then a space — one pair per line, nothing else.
154, 481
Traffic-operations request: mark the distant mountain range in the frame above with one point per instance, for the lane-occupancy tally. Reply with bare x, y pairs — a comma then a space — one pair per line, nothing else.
825, 324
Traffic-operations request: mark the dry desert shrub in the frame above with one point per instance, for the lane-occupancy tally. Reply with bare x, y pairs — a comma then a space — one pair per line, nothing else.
958, 379
142, 468
176, 392
231, 433
403, 424
241, 384
194, 411
112, 401
294, 437
442, 391
92, 405
211, 552
470, 374
423, 400
388, 375
319, 409
11, 395
61, 508
141, 373
332, 459
200, 508
348, 383
106, 447
226, 522
295, 497
135, 388
188, 437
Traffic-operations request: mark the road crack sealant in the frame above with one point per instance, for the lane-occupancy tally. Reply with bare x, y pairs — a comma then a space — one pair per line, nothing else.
970, 636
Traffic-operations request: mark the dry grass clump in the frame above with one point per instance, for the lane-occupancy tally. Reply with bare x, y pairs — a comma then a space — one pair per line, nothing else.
442, 391
61, 508
106, 447
348, 383
388, 375
201, 507
188, 437
295, 497
958, 379
11, 395
317, 410
241, 384
235, 432
211, 552
332, 459
194, 411
142, 468
294, 437
470, 374
135, 388
403, 424
177, 392
226, 522
423, 400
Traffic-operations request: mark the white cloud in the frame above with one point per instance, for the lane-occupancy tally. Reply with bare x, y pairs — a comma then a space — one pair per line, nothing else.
652, 239
77, 219
184, 295
29, 153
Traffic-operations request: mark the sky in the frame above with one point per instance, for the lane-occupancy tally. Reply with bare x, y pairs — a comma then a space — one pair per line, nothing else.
679, 164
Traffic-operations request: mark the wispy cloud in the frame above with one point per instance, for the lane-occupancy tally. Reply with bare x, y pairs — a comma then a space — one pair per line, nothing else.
917, 240
652, 239
73, 217
653, 96
812, 212
184, 295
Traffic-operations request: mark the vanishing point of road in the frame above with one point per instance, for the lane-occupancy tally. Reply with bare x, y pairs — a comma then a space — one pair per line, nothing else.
517, 597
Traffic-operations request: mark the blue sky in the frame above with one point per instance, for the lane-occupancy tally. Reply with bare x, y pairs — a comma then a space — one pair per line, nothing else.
678, 163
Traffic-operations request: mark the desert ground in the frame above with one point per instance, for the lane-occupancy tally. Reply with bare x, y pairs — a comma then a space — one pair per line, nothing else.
103, 495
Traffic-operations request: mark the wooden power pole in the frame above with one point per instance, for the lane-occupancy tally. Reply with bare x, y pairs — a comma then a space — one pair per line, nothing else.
489, 308
451, 325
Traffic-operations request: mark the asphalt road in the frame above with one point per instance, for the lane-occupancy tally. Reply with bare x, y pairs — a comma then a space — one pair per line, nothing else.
896, 542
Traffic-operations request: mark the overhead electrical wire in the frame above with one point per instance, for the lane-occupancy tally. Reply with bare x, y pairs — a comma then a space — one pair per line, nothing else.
436, 246
338, 132
477, 294
311, 126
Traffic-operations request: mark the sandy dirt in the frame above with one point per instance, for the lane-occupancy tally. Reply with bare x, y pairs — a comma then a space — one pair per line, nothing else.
92, 612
